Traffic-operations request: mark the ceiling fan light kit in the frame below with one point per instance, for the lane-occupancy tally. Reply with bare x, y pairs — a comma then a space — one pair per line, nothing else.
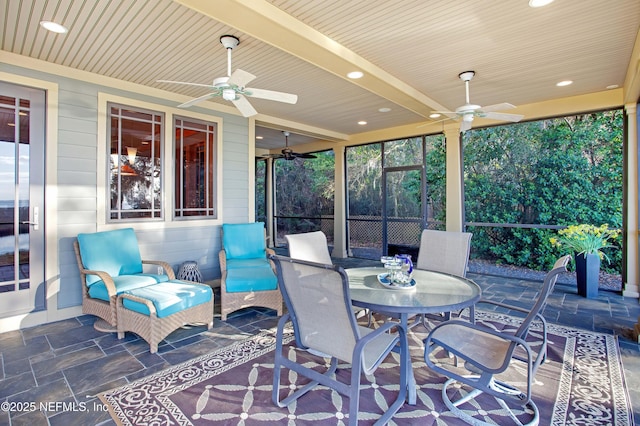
232, 87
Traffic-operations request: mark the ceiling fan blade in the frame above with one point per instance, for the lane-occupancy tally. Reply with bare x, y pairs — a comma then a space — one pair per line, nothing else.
301, 155
274, 156
240, 78
184, 82
497, 107
272, 95
502, 116
243, 105
196, 100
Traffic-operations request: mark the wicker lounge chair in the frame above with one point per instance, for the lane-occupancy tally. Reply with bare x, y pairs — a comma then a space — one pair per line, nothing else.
115, 289
103, 256
247, 276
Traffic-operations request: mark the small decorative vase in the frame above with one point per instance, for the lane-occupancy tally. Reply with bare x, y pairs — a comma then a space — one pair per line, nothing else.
587, 274
189, 272
407, 266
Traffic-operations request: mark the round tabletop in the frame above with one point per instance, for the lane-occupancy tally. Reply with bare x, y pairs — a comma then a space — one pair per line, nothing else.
434, 292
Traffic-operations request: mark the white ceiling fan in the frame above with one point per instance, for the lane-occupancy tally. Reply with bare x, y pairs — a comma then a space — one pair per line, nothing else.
469, 111
233, 86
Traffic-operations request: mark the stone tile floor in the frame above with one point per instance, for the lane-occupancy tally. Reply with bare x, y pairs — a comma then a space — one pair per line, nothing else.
63, 365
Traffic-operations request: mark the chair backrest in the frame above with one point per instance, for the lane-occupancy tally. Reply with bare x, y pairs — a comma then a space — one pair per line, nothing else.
244, 240
444, 251
548, 284
318, 301
115, 252
310, 246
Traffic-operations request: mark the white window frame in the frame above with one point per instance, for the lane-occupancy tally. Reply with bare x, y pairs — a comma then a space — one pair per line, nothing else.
215, 183
168, 181
161, 154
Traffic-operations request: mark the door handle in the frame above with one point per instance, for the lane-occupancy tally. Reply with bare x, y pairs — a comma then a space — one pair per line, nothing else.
36, 219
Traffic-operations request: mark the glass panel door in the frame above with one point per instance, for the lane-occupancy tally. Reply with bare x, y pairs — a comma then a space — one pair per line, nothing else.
22, 286
403, 215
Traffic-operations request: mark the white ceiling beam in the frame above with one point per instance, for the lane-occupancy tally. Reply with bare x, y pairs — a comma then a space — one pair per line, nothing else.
267, 23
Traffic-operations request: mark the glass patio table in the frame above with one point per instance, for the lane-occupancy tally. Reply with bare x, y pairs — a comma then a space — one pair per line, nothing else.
433, 292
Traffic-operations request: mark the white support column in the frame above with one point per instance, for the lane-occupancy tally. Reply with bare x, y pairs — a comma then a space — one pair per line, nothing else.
631, 286
631, 236
454, 206
340, 205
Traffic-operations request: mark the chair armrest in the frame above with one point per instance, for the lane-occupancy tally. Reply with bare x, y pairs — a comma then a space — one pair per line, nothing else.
385, 328
272, 252
503, 305
106, 279
457, 328
222, 256
167, 268
147, 302
513, 308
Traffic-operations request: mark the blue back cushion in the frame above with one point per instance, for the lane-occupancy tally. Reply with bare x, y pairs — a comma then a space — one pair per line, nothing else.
115, 252
244, 240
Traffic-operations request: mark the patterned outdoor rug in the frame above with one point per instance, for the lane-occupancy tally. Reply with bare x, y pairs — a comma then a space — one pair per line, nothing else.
581, 383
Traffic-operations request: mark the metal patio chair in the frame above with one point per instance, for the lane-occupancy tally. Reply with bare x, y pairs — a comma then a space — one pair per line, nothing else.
487, 352
319, 307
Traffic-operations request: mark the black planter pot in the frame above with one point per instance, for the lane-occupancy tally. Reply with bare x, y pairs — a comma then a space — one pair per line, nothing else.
587, 274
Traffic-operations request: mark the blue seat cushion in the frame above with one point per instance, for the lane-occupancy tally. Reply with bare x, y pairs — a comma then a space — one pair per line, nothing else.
243, 240
247, 263
115, 252
168, 297
257, 278
124, 283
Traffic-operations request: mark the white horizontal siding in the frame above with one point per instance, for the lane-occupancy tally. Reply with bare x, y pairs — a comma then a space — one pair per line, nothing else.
77, 194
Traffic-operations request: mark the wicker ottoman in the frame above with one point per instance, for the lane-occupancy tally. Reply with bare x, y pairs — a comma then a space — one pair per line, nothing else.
154, 311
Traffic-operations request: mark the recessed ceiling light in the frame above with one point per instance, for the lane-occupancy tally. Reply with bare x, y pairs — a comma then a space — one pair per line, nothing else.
362, 123
612, 86
384, 109
52, 26
435, 115
564, 83
539, 3
355, 74
258, 137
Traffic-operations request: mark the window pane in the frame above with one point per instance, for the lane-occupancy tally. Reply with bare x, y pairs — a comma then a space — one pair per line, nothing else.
261, 191
135, 159
195, 189
403, 152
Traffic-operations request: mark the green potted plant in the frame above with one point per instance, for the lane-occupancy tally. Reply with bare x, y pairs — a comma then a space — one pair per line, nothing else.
586, 242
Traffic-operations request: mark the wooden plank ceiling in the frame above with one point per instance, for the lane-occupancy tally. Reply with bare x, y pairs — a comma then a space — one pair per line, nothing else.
410, 51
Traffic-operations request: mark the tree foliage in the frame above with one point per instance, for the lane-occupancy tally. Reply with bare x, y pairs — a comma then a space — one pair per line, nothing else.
555, 172
560, 171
